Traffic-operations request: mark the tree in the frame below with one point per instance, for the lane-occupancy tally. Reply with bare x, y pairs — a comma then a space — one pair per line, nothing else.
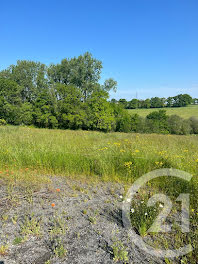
113, 101
182, 100
30, 76
146, 103
123, 102
133, 104
82, 72
10, 101
26, 113
110, 84
195, 101
157, 102
44, 110
169, 102
100, 114
71, 113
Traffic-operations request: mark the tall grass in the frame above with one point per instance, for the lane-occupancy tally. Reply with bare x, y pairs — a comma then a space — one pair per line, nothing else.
94, 153
113, 156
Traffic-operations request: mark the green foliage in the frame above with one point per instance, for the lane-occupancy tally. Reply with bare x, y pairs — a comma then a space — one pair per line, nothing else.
133, 104
180, 100
82, 72
123, 102
110, 84
30, 76
178, 125
17, 240
2, 122
100, 114
68, 95
157, 122
194, 124
157, 102
137, 123
119, 251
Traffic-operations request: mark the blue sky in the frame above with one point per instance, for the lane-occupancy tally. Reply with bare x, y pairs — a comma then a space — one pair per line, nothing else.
149, 46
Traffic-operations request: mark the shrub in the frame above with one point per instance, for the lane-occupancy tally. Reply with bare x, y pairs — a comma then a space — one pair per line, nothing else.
137, 123
194, 124
124, 123
175, 124
178, 125
186, 127
157, 122
122, 117
3, 122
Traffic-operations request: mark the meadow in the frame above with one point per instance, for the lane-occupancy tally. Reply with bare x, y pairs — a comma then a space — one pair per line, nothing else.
94, 153
29, 155
184, 112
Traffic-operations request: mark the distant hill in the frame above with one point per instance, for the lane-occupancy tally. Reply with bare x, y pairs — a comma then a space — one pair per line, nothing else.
184, 112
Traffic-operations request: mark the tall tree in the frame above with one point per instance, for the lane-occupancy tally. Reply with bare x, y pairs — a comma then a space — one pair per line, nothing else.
30, 75
83, 72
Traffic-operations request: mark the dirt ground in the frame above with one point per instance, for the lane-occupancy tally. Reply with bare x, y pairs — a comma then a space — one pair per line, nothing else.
66, 221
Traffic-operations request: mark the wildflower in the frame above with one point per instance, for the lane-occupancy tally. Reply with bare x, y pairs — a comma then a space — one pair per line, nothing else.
146, 214
142, 202
193, 210
53, 204
121, 196
103, 148
128, 200
128, 164
132, 210
161, 205
122, 150
58, 190
137, 150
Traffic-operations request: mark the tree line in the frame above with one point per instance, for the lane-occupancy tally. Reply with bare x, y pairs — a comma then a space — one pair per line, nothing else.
68, 95
180, 100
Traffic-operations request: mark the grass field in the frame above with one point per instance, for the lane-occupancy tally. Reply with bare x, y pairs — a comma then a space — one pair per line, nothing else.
28, 155
184, 112
94, 153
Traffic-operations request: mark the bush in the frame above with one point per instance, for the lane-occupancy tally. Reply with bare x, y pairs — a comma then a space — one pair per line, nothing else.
137, 123
123, 124
3, 122
194, 124
122, 118
157, 122
186, 127
175, 124
178, 125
